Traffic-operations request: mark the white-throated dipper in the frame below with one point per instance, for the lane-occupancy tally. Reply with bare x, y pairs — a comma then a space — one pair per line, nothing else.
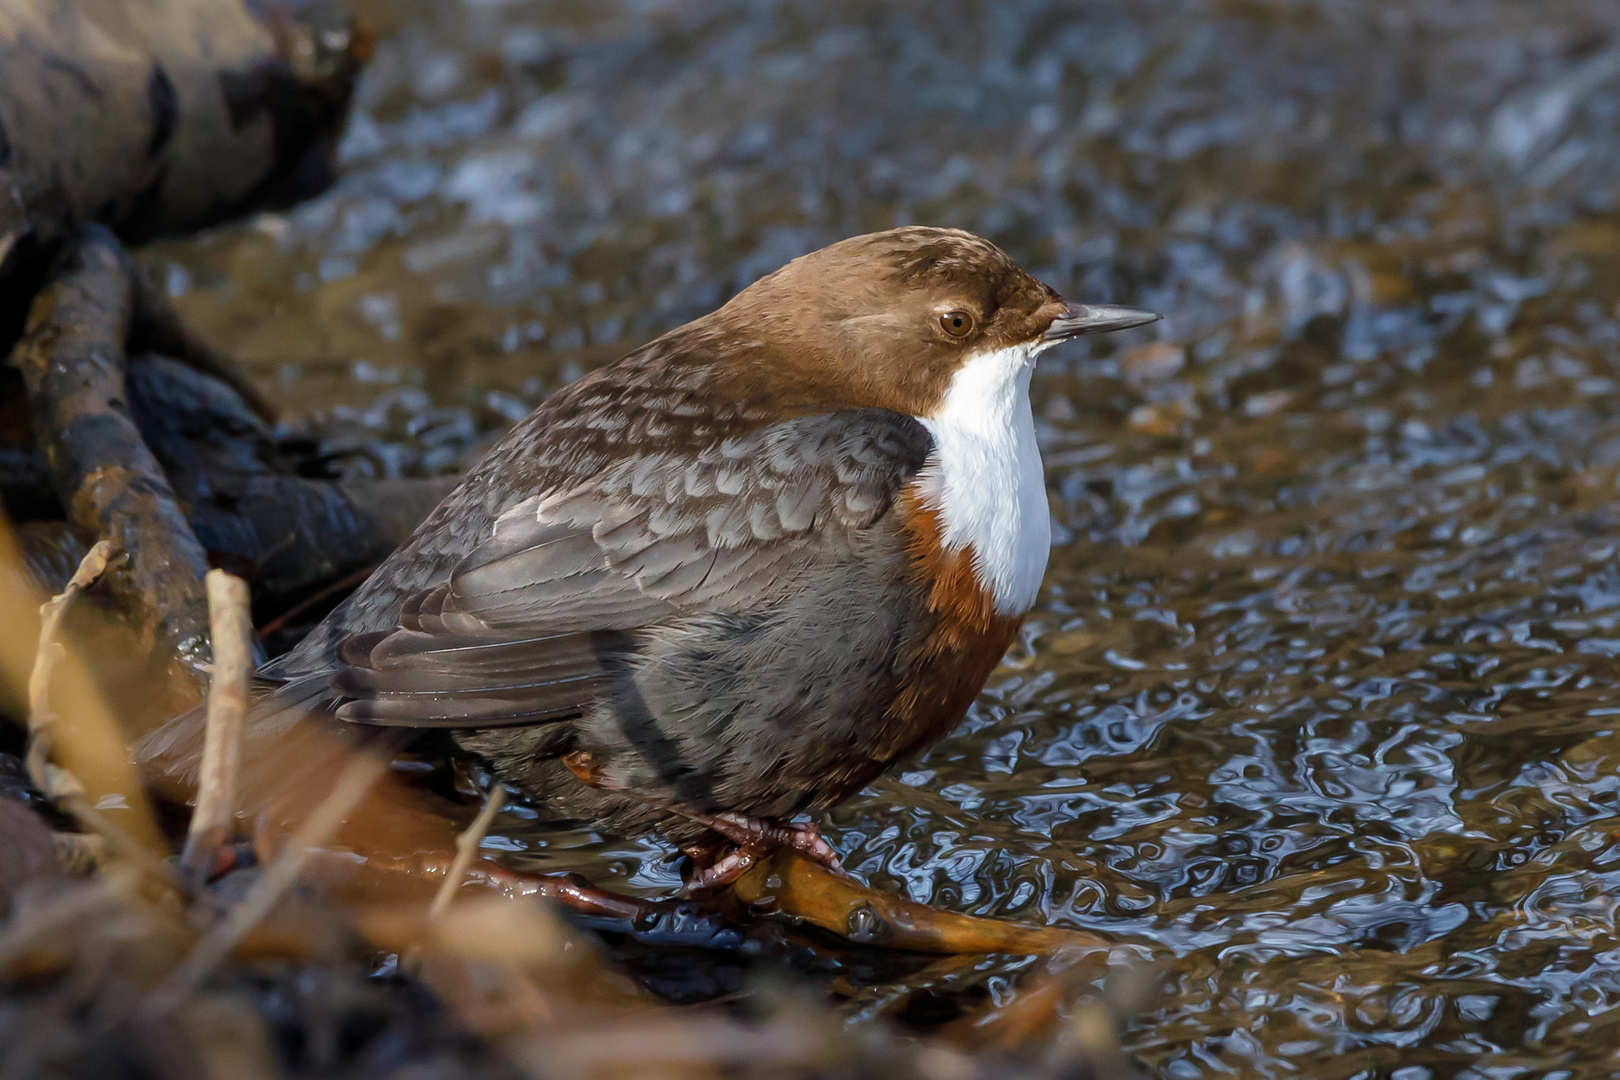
728, 580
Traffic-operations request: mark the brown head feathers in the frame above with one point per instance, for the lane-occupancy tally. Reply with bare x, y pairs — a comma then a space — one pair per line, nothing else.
862, 323
881, 320
876, 321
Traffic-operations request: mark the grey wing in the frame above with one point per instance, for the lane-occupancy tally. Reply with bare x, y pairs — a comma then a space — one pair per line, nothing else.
532, 624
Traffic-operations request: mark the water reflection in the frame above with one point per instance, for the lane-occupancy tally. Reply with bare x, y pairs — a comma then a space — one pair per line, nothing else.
1321, 698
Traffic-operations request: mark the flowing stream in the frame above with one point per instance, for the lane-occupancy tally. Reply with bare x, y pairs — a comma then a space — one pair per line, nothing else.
1320, 706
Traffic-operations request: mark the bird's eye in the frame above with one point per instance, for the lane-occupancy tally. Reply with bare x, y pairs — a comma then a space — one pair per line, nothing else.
958, 324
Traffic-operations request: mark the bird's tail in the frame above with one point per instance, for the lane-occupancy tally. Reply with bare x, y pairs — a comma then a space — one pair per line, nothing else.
170, 756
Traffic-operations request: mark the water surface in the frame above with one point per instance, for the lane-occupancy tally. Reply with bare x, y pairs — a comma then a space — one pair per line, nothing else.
1320, 701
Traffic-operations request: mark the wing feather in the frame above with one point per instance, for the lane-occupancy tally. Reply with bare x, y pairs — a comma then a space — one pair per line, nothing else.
531, 624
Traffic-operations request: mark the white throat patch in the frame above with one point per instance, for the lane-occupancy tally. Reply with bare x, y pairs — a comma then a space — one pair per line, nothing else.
984, 477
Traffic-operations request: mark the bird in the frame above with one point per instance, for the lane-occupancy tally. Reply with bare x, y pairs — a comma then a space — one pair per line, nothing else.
719, 586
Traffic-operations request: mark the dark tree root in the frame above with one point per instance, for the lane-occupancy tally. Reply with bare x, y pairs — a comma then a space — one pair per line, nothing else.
168, 458
287, 534
71, 357
159, 331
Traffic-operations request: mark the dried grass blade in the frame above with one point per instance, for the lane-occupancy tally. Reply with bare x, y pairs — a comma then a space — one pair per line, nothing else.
357, 778
466, 849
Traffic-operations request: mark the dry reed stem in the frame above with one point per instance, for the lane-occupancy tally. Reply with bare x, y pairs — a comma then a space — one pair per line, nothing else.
230, 627
353, 783
466, 849
54, 782
76, 756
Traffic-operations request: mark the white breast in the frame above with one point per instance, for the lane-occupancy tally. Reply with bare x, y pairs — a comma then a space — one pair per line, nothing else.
984, 477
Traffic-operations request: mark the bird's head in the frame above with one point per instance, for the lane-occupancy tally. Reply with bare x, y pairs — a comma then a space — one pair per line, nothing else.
891, 320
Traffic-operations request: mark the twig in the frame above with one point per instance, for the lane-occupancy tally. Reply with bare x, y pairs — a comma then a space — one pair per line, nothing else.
466, 848
58, 784
54, 782
71, 357
352, 784
230, 619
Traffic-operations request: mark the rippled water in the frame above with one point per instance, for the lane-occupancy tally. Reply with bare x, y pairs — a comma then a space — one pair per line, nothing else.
1320, 701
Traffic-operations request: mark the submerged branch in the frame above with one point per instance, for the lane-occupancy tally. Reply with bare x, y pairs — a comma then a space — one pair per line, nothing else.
789, 883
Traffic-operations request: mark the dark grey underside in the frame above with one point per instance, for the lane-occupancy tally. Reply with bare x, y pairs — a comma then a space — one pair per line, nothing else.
768, 712
721, 626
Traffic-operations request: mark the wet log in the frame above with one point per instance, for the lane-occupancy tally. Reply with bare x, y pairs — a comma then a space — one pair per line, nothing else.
164, 116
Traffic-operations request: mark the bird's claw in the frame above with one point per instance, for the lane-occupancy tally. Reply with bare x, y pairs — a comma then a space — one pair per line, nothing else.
754, 837
707, 877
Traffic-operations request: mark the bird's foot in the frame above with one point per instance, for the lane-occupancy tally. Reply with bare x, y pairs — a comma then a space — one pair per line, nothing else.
762, 834
754, 838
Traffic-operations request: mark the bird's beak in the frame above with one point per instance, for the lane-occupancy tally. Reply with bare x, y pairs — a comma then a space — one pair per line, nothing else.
1095, 319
